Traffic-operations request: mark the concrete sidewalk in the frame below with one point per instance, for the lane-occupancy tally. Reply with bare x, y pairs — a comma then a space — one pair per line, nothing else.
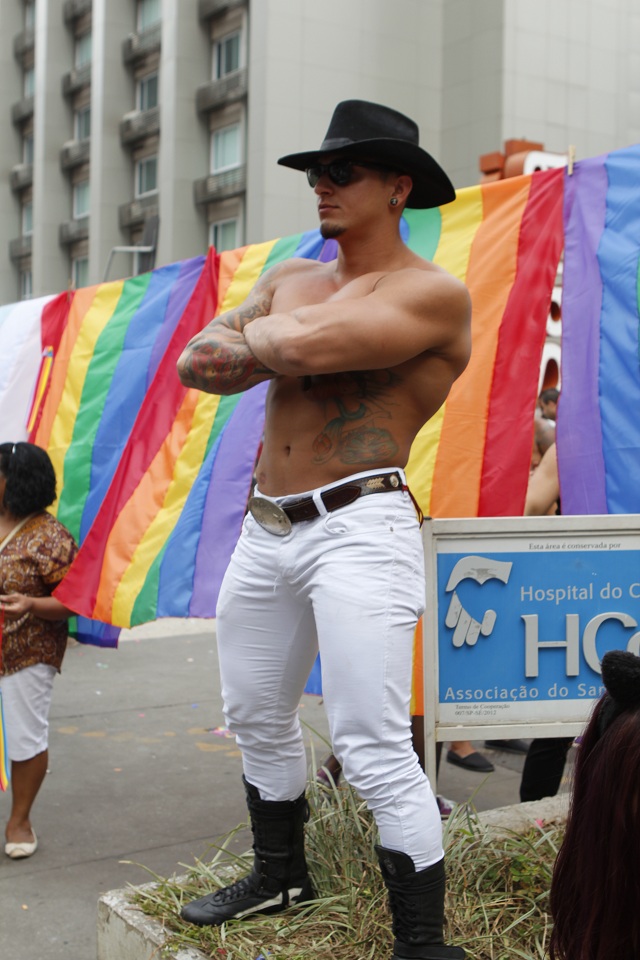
141, 770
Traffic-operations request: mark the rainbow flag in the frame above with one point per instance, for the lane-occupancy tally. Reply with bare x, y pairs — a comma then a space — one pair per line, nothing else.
155, 477
5, 775
599, 412
504, 240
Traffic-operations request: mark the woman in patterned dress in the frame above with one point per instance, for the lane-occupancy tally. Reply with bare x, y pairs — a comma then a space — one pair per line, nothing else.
35, 554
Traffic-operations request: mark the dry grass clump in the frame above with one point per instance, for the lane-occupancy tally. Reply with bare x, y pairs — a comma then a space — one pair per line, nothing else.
496, 901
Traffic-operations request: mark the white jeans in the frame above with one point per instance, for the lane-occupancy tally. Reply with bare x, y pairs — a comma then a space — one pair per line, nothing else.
350, 584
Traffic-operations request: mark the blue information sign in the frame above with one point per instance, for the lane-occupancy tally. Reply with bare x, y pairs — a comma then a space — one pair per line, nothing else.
523, 622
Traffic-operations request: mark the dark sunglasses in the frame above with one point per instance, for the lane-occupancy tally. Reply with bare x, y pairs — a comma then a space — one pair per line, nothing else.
339, 172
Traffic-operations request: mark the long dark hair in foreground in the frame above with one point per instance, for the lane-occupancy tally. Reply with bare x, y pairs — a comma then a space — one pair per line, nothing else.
595, 891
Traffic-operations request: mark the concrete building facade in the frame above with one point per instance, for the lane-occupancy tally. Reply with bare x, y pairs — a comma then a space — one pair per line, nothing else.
156, 124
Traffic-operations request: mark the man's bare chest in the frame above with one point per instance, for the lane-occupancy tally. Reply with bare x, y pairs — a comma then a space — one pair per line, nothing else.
308, 290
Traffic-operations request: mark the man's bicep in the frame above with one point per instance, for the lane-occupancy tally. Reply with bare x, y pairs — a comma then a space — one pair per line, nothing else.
334, 337
398, 323
433, 313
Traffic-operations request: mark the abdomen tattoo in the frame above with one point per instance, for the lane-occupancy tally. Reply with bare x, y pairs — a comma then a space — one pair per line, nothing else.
361, 401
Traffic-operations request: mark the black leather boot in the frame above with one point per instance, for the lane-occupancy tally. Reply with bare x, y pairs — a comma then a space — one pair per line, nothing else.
279, 877
416, 899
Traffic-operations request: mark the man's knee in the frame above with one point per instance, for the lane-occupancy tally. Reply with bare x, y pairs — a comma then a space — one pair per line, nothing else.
379, 777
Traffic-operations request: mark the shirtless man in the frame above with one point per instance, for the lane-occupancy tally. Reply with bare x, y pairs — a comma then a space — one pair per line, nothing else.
359, 352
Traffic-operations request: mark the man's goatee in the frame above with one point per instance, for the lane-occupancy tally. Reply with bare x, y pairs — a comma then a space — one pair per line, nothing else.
330, 231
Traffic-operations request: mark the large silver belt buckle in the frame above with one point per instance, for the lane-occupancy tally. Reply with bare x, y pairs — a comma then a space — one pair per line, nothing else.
270, 516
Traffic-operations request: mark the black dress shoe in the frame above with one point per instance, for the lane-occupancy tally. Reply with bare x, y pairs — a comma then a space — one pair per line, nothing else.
508, 746
476, 762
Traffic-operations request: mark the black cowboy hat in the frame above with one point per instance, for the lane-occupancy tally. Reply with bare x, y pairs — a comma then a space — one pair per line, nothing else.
370, 131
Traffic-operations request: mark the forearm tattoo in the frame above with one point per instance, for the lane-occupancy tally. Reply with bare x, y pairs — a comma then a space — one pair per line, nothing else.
224, 365
219, 359
257, 305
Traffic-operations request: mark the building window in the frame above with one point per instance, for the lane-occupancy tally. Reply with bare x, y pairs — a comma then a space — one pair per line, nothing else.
147, 93
29, 82
146, 176
27, 219
81, 200
223, 235
149, 13
27, 149
82, 123
225, 148
83, 51
226, 56
26, 284
80, 272
29, 14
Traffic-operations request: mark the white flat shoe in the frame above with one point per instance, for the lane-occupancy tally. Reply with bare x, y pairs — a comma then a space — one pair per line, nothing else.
19, 851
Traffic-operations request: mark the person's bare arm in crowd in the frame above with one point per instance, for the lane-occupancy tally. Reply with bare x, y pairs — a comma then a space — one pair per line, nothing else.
409, 312
218, 359
15, 605
545, 434
544, 486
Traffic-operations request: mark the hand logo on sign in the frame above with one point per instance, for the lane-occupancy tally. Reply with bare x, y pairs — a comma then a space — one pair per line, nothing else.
465, 628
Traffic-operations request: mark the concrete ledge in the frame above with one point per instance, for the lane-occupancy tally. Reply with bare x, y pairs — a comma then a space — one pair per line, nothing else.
518, 819
125, 933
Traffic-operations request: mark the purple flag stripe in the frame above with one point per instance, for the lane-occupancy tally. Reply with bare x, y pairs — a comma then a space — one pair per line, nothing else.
226, 500
580, 457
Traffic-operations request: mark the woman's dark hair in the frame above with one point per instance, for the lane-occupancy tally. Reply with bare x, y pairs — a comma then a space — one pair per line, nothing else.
30, 478
595, 889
